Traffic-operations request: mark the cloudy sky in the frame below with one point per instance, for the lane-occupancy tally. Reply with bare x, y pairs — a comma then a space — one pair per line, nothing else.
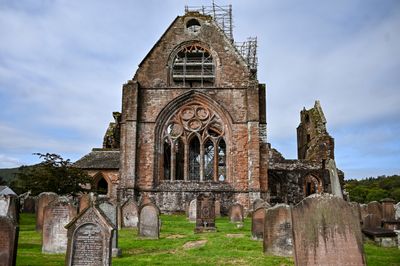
63, 63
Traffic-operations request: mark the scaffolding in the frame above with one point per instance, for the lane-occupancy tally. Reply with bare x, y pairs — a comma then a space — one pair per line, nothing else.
222, 15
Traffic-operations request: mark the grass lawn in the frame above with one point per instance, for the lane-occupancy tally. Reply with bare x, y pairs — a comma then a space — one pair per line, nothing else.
228, 246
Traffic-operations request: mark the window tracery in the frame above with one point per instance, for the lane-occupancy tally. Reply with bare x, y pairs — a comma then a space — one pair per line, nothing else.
194, 145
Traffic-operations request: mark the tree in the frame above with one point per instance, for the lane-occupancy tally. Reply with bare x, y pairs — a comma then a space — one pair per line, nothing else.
53, 174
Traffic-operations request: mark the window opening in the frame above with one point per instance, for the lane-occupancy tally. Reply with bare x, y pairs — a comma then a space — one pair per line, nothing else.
180, 159
102, 186
193, 66
193, 25
167, 159
194, 159
209, 160
221, 160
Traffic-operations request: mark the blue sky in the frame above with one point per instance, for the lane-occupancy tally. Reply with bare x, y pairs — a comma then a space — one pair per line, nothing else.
63, 63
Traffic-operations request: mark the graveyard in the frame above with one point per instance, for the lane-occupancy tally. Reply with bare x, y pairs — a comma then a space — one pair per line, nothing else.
228, 246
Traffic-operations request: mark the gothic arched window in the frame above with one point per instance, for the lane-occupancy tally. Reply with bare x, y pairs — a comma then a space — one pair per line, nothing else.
193, 66
196, 134
312, 185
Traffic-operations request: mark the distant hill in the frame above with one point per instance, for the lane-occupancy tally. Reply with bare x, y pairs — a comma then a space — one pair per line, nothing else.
374, 188
7, 174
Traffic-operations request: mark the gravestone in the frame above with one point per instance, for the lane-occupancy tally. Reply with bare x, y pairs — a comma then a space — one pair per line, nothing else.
257, 224
259, 203
89, 239
9, 206
192, 211
85, 200
217, 208
371, 221
43, 200
29, 205
205, 213
326, 232
149, 221
8, 240
236, 213
388, 210
278, 234
397, 213
57, 215
375, 208
129, 214
110, 211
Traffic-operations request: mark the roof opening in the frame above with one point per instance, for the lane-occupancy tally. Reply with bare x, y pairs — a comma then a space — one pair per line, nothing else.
193, 25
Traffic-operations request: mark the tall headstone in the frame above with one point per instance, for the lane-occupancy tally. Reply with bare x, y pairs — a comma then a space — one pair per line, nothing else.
57, 215
375, 208
110, 211
129, 214
9, 206
326, 232
371, 221
397, 213
205, 213
89, 239
8, 241
278, 234
192, 211
257, 224
149, 221
236, 213
334, 178
43, 200
388, 210
29, 205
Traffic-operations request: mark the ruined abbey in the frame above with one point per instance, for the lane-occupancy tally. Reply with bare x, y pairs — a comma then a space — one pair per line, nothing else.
194, 120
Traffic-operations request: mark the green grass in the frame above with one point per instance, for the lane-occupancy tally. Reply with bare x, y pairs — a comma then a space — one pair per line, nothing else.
168, 250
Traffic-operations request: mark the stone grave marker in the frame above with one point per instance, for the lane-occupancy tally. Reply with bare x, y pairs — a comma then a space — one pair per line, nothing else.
89, 239
56, 216
110, 211
43, 200
205, 213
257, 224
149, 221
397, 213
326, 232
388, 210
217, 208
9, 206
258, 203
29, 205
278, 234
375, 208
371, 221
236, 213
192, 211
129, 214
8, 240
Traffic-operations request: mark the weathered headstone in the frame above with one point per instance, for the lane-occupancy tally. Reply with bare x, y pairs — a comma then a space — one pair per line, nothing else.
371, 221
397, 213
89, 239
57, 215
388, 210
29, 205
149, 221
236, 213
129, 214
110, 211
9, 206
192, 211
43, 200
278, 234
334, 178
205, 213
259, 203
375, 208
326, 232
217, 208
257, 223
8, 241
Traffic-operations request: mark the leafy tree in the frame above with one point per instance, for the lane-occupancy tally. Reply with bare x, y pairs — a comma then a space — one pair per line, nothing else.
53, 174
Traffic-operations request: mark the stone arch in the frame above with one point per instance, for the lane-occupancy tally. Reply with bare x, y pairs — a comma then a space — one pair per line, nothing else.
312, 185
176, 106
207, 49
102, 183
